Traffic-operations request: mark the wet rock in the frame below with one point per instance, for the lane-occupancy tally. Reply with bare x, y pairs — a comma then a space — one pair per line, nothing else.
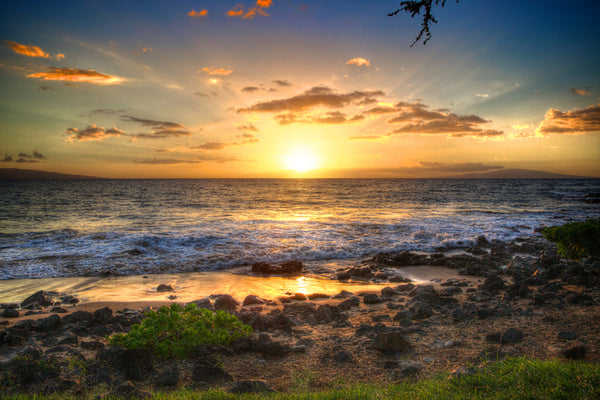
203, 303
326, 314
388, 292
241, 387
58, 310
293, 267
9, 313
426, 294
38, 299
168, 377
575, 352
343, 294
225, 302
314, 296
392, 341
401, 259
493, 283
252, 300
371, 298
407, 287
164, 288
349, 303
206, 371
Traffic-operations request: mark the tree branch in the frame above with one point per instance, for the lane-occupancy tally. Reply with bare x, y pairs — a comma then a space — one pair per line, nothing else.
422, 8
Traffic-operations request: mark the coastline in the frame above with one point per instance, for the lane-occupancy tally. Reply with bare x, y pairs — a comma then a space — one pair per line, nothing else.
537, 306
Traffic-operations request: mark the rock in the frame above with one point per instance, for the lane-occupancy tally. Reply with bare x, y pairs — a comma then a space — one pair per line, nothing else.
381, 318
225, 302
392, 341
511, 336
426, 294
402, 315
203, 303
293, 267
168, 377
58, 310
461, 372
401, 259
77, 316
493, 283
326, 314
39, 298
575, 352
48, 324
164, 288
269, 347
349, 303
9, 313
581, 298
460, 314
103, 316
420, 310
387, 292
205, 371
241, 387
518, 290
136, 364
92, 345
371, 298
252, 299
342, 357
406, 368
67, 338
314, 296
450, 291
343, 294
484, 313
567, 335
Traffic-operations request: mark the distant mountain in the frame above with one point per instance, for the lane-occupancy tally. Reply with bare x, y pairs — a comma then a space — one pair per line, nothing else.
16, 173
515, 174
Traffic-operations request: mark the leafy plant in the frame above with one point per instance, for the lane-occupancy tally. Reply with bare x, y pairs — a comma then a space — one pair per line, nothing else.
175, 331
576, 239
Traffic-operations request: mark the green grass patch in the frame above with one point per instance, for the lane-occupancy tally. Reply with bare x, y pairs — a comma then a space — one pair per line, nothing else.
176, 331
516, 378
576, 239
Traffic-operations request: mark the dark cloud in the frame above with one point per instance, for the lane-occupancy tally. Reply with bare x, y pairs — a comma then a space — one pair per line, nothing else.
572, 122
247, 138
250, 89
93, 132
160, 129
453, 128
284, 82
34, 157
332, 117
314, 97
191, 160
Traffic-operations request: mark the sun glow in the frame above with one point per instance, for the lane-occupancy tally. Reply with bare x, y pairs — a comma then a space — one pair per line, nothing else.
300, 160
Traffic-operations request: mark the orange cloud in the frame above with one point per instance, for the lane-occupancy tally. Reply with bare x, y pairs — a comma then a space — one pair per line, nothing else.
571, 122
92, 132
239, 10
217, 71
198, 14
76, 75
359, 61
580, 92
29, 51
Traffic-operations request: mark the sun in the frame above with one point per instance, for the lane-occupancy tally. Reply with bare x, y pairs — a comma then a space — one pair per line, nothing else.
300, 160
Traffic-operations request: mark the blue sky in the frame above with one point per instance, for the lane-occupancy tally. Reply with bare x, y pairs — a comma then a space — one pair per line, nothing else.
298, 88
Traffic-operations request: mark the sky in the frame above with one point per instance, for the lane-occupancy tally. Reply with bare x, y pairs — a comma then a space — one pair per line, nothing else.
311, 88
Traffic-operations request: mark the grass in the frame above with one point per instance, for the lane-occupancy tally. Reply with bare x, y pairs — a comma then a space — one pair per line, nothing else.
514, 378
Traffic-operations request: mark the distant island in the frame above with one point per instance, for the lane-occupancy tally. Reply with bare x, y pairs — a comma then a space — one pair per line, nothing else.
17, 173
516, 173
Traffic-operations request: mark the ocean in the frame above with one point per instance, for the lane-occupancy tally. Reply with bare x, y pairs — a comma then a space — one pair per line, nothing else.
66, 228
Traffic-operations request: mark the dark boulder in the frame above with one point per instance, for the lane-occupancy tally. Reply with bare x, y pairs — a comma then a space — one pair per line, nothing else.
567, 335
38, 299
48, 324
293, 267
168, 377
225, 302
371, 298
511, 336
392, 341
252, 300
203, 303
575, 352
493, 283
77, 316
420, 310
103, 316
349, 303
9, 313
162, 288
326, 314
136, 364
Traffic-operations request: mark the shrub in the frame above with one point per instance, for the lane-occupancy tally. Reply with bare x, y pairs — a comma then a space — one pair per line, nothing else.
576, 239
175, 331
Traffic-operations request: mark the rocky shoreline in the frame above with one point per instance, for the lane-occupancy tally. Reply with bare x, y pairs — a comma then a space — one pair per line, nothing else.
516, 298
